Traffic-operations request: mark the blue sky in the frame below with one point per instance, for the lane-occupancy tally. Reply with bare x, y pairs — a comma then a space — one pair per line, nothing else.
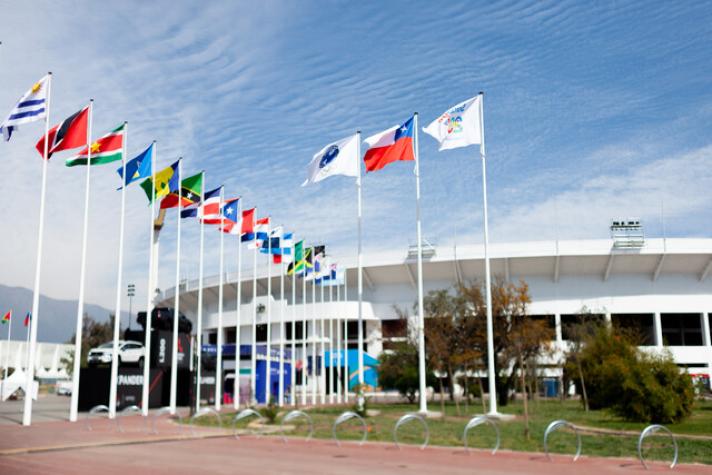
591, 111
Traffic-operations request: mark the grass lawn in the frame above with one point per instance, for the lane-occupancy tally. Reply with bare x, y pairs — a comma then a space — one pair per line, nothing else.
448, 430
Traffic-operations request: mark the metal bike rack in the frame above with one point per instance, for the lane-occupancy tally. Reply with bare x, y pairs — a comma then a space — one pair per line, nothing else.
557, 425
201, 413
245, 413
408, 418
346, 416
477, 421
650, 430
126, 411
95, 410
290, 416
160, 412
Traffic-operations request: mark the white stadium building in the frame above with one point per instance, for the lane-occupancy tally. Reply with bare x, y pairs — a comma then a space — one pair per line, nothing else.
662, 287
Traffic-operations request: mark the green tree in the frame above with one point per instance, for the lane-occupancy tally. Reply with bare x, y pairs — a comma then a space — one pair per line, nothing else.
93, 334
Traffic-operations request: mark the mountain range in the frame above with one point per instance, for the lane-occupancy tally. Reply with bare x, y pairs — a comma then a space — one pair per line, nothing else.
57, 318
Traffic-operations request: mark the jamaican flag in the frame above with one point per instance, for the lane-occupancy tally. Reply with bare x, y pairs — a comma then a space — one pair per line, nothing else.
301, 257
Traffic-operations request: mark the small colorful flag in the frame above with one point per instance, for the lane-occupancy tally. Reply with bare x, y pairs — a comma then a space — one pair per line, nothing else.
298, 263
458, 127
189, 194
210, 205
137, 168
70, 133
389, 146
6, 318
106, 149
162, 181
30, 107
28, 319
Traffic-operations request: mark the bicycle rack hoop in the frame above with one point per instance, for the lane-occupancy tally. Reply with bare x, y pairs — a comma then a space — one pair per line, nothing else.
478, 421
407, 418
558, 424
292, 415
651, 430
347, 416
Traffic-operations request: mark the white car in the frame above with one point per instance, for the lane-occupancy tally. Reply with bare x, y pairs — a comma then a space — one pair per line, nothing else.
129, 352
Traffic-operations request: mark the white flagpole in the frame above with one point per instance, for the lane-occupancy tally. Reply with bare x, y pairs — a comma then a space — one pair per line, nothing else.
421, 317
293, 358
74, 408
199, 329
282, 326
218, 368
117, 317
280, 395
347, 376
488, 285
238, 305
268, 343
322, 365
304, 335
7, 351
314, 383
339, 332
149, 303
176, 304
360, 279
27, 412
331, 340
253, 379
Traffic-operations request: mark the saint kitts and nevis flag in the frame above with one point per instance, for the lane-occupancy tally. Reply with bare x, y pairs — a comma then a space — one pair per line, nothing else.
106, 149
187, 195
70, 133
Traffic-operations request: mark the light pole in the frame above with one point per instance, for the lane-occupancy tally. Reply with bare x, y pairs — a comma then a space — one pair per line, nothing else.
131, 292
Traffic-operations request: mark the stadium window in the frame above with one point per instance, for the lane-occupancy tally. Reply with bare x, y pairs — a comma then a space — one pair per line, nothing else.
230, 335
213, 338
394, 328
640, 326
261, 333
298, 330
681, 329
569, 320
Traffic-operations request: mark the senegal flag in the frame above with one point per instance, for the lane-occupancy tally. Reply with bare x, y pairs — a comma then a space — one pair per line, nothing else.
107, 149
190, 190
162, 180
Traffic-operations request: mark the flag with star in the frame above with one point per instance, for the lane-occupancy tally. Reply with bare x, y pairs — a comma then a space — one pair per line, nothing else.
188, 195
6, 318
106, 149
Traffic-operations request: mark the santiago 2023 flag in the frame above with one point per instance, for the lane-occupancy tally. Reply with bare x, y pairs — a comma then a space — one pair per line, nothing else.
458, 127
337, 158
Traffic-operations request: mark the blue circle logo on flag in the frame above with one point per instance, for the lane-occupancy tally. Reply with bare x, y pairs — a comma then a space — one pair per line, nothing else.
329, 156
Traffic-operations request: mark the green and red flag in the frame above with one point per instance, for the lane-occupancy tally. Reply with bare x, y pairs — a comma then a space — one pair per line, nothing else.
190, 191
7, 317
106, 149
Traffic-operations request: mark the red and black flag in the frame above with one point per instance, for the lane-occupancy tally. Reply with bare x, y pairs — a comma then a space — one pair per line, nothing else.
70, 133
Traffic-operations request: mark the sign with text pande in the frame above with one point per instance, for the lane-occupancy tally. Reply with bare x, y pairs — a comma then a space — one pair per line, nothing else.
161, 357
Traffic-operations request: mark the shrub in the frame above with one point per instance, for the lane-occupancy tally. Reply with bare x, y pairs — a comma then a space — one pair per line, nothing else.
634, 385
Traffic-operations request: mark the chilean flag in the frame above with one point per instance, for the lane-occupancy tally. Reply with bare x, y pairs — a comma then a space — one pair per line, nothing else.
389, 146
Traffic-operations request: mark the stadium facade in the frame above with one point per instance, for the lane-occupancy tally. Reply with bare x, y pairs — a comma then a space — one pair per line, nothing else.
660, 287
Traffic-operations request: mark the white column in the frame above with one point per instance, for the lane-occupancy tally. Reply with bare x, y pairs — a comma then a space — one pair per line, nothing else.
488, 285
331, 341
152, 236
282, 334
360, 276
74, 407
117, 312
268, 343
314, 381
322, 365
557, 326
27, 410
347, 377
219, 363
199, 329
253, 377
176, 305
238, 308
421, 312
293, 359
705, 329
658, 328
304, 337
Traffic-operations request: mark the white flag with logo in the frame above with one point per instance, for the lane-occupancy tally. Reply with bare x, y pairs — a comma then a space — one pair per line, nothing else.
458, 127
337, 158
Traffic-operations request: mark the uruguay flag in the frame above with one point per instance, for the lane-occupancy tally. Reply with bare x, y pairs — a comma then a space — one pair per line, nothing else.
30, 107
389, 146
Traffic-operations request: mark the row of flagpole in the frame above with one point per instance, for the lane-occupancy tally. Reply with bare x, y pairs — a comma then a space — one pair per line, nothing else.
386, 147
